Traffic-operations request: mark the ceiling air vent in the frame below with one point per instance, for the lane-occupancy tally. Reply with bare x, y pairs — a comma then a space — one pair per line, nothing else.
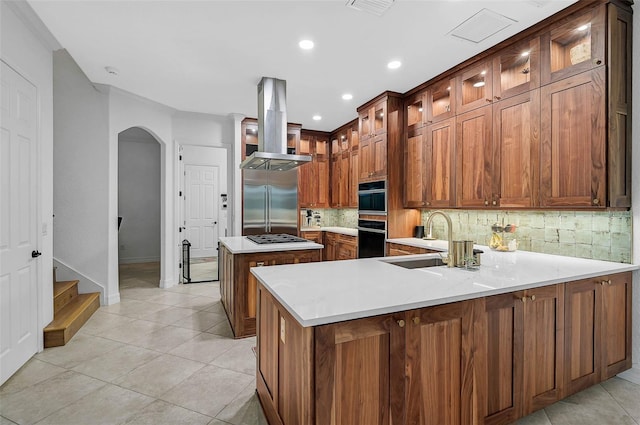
377, 7
481, 26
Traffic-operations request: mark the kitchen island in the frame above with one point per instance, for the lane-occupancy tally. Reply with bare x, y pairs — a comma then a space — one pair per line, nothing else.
238, 287
371, 342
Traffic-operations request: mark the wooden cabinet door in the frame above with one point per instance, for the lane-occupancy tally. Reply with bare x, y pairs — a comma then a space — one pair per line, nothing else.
344, 180
573, 141
306, 184
474, 87
335, 172
574, 47
543, 357
379, 111
360, 365
441, 101
516, 69
439, 382
354, 175
616, 324
322, 183
366, 159
498, 339
583, 316
440, 164
379, 154
516, 131
249, 135
474, 158
416, 111
329, 246
415, 170
365, 123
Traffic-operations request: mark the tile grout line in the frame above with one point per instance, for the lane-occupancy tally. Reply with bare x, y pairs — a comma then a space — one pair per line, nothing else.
620, 405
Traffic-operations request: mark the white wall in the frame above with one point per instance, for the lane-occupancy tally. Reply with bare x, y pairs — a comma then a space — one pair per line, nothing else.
26, 46
138, 197
126, 111
81, 201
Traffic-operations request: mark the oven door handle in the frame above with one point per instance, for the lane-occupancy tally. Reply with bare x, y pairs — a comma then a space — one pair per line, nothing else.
366, 229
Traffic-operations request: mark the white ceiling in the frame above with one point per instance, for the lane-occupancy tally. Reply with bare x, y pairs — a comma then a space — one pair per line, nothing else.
208, 56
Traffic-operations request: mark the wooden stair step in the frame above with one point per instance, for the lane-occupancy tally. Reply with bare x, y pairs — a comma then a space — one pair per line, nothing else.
70, 319
63, 293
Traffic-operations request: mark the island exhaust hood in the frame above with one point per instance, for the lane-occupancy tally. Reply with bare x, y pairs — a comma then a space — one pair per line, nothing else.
272, 130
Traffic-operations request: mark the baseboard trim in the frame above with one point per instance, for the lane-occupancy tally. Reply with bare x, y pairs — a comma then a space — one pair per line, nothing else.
113, 299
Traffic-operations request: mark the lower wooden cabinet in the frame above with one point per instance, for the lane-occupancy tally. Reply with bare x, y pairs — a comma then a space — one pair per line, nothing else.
439, 374
239, 294
519, 356
338, 246
312, 235
598, 330
395, 249
486, 361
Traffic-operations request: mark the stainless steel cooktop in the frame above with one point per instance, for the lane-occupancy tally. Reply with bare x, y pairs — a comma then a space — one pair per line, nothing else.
275, 238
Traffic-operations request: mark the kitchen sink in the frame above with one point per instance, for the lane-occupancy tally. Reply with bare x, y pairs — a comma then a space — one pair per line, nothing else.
417, 263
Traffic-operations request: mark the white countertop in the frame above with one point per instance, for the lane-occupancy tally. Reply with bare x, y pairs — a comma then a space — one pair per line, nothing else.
334, 229
434, 244
242, 245
329, 292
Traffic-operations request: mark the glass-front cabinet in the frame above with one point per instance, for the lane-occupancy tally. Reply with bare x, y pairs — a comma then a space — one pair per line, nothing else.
441, 101
575, 46
475, 87
516, 69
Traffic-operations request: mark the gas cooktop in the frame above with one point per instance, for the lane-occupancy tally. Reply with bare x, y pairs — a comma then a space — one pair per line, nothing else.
275, 238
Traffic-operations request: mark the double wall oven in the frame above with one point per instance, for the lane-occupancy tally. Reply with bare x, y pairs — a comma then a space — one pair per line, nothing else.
372, 219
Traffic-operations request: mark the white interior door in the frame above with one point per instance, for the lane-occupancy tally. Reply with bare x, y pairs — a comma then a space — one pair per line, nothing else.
201, 209
18, 225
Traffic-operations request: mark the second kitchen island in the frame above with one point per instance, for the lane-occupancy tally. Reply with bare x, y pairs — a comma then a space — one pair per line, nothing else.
238, 287
371, 342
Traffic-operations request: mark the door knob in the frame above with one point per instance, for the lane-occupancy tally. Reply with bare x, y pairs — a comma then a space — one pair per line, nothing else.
35, 254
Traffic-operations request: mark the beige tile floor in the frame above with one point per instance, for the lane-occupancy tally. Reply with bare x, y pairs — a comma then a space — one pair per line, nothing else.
167, 357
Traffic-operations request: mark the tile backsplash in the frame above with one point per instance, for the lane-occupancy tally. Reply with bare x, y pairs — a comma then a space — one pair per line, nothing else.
331, 217
597, 235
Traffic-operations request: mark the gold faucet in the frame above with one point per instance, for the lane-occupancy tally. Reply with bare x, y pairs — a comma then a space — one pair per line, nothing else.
449, 258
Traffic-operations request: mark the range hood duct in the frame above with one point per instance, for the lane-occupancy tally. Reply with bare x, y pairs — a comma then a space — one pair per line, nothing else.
272, 130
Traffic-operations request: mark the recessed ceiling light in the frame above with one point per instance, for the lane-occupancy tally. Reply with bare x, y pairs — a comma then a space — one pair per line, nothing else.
394, 64
583, 27
347, 96
317, 117
306, 44
479, 84
111, 70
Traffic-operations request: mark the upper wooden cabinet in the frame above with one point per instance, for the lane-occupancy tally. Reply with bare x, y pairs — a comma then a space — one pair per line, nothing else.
249, 136
345, 143
441, 101
516, 69
474, 87
375, 129
542, 121
575, 46
313, 177
573, 141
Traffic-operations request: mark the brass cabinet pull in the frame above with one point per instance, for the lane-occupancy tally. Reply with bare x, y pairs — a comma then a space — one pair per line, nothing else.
486, 202
497, 97
260, 264
533, 297
597, 61
596, 201
401, 323
494, 203
488, 100
524, 299
609, 281
416, 320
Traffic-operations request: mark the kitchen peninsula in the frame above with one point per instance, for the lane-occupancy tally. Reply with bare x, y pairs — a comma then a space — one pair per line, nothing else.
238, 286
372, 342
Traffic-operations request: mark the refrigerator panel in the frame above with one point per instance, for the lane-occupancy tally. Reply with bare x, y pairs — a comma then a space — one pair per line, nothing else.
283, 202
254, 202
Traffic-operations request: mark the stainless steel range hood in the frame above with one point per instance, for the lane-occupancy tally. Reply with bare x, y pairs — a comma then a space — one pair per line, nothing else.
272, 130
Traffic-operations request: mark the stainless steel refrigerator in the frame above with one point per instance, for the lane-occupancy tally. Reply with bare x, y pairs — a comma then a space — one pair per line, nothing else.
270, 202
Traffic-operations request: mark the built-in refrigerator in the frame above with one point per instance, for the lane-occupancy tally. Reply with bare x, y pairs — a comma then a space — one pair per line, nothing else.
270, 202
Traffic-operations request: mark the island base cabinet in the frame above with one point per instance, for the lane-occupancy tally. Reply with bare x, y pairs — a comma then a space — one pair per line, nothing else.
439, 374
360, 364
285, 364
598, 330
519, 353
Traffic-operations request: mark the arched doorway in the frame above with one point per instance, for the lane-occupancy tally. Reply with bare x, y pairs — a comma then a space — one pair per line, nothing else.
139, 209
